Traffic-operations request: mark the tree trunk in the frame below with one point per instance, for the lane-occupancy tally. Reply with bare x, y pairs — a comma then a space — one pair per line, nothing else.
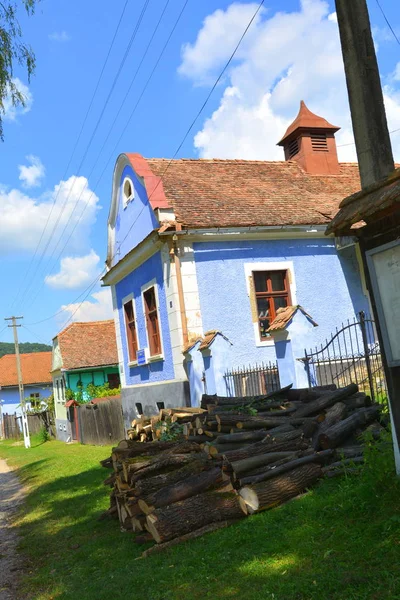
188, 536
253, 462
245, 436
309, 394
338, 433
242, 400
146, 487
333, 415
195, 484
340, 464
288, 466
162, 464
282, 488
188, 515
326, 400
269, 445
359, 400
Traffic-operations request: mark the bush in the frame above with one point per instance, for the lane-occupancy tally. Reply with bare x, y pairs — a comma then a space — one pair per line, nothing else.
43, 435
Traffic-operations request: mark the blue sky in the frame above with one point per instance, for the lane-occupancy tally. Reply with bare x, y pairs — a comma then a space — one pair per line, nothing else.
284, 58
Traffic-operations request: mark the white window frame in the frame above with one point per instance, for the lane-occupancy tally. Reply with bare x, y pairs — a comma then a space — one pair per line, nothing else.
153, 283
125, 300
125, 199
250, 268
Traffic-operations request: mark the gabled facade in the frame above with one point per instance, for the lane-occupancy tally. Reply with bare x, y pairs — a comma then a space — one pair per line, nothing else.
36, 377
83, 353
201, 245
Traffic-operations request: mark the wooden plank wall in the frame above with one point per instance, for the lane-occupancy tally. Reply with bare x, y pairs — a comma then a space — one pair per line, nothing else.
101, 424
11, 427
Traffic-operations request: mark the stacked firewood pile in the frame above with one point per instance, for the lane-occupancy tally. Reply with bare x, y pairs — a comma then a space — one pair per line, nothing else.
236, 456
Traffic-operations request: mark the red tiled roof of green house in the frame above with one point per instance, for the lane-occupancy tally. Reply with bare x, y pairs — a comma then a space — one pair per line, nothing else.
243, 193
35, 368
91, 344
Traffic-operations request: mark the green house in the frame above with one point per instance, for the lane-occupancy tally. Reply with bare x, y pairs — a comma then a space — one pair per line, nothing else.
83, 353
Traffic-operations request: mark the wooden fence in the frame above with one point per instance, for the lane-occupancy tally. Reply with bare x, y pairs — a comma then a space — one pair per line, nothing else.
11, 427
12, 424
102, 423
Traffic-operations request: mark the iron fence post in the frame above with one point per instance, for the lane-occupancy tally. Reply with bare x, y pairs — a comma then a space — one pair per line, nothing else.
307, 363
366, 354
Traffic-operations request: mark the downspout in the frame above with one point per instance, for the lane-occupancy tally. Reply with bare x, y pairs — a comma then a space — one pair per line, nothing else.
178, 271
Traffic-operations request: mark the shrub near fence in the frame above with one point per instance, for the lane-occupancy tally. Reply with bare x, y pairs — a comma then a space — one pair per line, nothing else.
101, 423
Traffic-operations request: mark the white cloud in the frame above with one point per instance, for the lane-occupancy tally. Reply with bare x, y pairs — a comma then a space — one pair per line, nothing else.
10, 111
99, 310
31, 175
75, 271
59, 36
287, 57
23, 217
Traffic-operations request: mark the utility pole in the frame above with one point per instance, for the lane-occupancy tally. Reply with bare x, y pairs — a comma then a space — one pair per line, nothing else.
25, 428
368, 116
376, 166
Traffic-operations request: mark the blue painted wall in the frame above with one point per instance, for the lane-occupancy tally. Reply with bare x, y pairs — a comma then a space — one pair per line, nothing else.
138, 211
328, 287
10, 396
159, 370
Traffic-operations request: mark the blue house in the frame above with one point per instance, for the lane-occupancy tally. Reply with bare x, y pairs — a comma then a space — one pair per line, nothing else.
202, 254
36, 377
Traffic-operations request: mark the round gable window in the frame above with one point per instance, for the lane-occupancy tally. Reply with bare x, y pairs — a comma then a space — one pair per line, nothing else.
128, 191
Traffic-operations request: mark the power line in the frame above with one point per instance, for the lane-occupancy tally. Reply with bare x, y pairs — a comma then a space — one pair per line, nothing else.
184, 138
116, 145
74, 148
353, 143
387, 22
35, 335
116, 77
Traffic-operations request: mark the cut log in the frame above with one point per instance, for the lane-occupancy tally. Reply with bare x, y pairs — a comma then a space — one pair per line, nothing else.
349, 452
340, 472
280, 489
242, 400
333, 415
326, 400
253, 462
245, 436
338, 433
269, 445
162, 464
188, 515
145, 487
359, 400
309, 394
318, 457
188, 536
375, 429
195, 484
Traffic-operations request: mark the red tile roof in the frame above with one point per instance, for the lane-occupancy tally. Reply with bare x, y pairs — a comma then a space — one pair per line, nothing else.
243, 193
91, 344
285, 315
307, 120
35, 368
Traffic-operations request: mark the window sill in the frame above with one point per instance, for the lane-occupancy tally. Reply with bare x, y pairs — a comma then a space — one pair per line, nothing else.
156, 357
260, 344
133, 363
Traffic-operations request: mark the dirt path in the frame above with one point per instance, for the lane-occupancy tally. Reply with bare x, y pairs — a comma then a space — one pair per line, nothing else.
11, 496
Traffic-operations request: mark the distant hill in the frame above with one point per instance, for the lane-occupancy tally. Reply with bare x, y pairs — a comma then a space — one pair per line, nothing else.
24, 348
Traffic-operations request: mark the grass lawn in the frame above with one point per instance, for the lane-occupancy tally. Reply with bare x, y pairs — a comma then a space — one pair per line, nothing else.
339, 542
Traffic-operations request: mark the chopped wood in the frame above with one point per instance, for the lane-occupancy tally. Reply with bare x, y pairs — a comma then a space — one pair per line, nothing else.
269, 494
333, 415
190, 486
336, 434
188, 536
247, 464
326, 400
143, 538
318, 457
196, 512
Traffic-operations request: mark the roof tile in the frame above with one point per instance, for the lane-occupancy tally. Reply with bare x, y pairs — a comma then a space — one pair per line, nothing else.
35, 368
91, 344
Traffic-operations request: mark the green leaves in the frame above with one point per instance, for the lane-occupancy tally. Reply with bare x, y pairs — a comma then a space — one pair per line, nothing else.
13, 51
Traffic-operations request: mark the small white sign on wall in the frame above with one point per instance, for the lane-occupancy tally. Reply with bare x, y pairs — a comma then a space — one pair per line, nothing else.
384, 268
